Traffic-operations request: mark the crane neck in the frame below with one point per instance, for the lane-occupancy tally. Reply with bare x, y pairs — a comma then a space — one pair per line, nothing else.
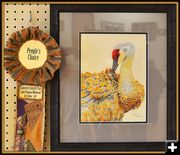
126, 69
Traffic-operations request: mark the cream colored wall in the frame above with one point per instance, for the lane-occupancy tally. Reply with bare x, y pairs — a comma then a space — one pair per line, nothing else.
16, 16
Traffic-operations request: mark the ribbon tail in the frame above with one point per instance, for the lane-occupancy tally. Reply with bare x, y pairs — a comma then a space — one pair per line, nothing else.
36, 135
29, 135
20, 142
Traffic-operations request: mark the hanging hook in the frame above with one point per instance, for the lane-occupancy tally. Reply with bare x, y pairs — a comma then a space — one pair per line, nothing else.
29, 24
30, 16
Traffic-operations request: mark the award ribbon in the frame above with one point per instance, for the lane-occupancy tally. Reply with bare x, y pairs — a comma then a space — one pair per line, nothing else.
31, 57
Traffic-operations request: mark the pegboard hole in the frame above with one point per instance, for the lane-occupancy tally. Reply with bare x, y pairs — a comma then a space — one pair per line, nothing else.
14, 11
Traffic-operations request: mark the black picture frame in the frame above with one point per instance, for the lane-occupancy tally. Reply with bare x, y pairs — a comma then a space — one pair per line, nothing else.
171, 11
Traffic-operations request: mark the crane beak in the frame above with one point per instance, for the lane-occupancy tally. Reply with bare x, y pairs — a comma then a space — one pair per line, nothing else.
115, 65
122, 57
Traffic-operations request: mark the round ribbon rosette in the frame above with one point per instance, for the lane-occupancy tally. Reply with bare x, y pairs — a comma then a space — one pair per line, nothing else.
32, 56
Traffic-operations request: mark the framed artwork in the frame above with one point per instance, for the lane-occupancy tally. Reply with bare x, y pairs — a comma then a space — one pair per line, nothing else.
116, 91
146, 27
100, 78
110, 26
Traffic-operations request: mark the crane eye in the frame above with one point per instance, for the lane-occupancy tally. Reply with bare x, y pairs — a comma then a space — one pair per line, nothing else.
125, 49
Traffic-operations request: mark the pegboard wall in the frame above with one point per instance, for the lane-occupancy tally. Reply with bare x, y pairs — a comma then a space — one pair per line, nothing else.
16, 17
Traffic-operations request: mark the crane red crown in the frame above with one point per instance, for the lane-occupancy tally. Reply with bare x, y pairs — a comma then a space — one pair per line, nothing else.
115, 54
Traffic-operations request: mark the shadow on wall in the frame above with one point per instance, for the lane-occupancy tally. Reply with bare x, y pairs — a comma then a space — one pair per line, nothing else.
154, 92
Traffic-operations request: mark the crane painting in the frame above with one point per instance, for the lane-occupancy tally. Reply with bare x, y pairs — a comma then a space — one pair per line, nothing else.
110, 94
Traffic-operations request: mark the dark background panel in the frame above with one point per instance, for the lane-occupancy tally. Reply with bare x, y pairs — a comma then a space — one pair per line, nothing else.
170, 9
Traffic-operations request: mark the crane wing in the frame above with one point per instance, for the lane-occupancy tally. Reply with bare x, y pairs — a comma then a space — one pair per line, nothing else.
98, 86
